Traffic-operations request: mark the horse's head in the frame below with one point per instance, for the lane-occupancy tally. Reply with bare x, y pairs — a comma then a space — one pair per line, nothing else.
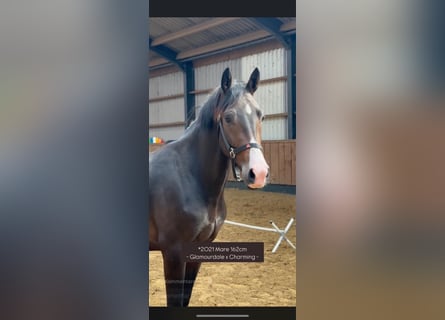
239, 119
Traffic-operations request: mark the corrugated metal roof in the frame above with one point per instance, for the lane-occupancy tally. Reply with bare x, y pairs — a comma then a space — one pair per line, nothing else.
161, 26
180, 35
226, 31
285, 20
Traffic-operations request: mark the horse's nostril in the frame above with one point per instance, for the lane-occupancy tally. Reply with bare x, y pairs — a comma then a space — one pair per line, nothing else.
251, 176
267, 175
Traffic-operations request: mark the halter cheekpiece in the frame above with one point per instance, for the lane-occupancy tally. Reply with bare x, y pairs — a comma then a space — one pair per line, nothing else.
234, 151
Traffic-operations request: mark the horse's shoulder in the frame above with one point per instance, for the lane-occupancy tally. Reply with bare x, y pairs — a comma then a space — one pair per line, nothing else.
164, 156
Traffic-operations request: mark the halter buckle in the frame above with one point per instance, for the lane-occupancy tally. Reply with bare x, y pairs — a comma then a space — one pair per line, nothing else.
232, 153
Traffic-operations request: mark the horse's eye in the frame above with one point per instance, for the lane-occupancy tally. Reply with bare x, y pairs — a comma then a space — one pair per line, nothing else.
228, 118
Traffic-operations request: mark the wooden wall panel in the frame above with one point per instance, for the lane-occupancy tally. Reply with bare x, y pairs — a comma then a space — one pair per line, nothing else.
280, 155
294, 163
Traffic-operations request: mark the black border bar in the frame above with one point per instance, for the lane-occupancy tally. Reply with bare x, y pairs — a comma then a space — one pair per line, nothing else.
196, 313
226, 8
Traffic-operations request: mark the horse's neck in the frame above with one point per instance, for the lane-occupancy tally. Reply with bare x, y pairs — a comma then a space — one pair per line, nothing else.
213, 165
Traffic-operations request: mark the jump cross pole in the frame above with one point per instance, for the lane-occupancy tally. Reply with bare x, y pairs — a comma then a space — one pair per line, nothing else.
275, 229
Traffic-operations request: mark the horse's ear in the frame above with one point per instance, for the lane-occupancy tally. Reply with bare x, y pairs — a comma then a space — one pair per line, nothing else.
226, 80
254, 79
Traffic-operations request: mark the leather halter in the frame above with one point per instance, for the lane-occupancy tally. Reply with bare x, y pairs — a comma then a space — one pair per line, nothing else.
234, 151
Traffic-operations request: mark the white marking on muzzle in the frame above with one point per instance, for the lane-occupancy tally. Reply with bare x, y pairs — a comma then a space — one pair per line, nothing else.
259, 167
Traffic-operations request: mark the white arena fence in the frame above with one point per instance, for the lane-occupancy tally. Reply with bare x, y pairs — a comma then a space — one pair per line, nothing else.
281, 232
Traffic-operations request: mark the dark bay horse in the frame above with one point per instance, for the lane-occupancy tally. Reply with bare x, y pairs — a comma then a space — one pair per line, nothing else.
187, 178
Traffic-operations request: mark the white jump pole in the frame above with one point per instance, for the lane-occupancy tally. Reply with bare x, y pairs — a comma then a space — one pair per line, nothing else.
249, 226
274, 229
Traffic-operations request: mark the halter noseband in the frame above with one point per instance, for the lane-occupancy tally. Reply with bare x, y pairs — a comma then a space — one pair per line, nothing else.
233, 152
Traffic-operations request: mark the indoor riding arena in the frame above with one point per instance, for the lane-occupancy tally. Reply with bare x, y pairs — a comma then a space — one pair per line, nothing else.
268, 283
187, 58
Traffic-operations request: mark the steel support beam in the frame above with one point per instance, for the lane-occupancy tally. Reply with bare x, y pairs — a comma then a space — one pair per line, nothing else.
291, 88
189, 96
272, 25
167, 53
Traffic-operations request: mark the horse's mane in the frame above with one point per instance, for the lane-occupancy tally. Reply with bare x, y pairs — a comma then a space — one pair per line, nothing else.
205, 117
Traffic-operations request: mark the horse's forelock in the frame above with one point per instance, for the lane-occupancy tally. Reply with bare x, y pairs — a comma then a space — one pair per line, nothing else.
219, 100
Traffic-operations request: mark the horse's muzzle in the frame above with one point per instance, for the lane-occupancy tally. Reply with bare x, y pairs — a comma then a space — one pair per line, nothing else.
258, 172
